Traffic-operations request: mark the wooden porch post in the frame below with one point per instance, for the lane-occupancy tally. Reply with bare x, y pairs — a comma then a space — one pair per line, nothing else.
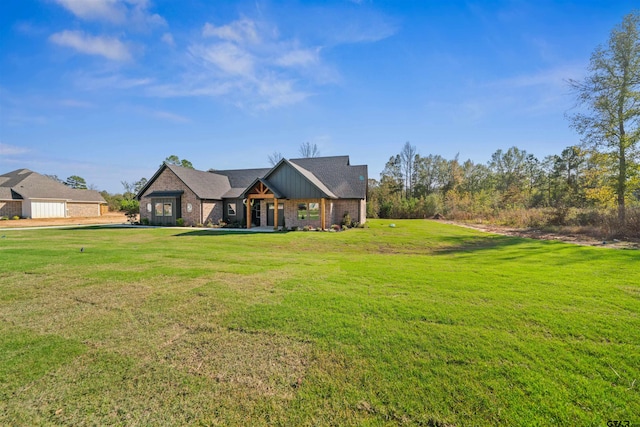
323, 225
248, 215
275, 213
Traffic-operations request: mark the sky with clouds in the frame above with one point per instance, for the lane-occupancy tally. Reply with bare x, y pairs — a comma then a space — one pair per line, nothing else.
107, 89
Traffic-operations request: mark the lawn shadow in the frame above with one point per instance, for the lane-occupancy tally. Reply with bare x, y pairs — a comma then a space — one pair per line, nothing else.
219, 232
518, 248
462, 244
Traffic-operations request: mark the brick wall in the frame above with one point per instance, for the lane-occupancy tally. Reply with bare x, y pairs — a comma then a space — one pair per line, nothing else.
168, 181
355, 207
211, 211
11, 208
334, 211
75, 209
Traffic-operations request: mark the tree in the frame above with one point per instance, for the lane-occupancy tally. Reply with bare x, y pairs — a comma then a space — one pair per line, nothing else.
137, 186
77, 182
55, 178
611, 96
275, 157
175, 160
407, 163
308, 149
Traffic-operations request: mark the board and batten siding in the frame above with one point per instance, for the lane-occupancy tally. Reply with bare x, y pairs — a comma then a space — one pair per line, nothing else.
290, 182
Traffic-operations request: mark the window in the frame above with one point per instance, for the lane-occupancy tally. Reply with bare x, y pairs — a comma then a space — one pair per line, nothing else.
231, 209
314, 210
302, 211
162, 209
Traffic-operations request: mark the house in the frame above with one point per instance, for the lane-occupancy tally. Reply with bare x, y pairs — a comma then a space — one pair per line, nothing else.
28, 194
315, 192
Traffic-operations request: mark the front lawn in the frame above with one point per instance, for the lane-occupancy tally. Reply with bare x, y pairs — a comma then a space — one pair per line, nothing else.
421, 324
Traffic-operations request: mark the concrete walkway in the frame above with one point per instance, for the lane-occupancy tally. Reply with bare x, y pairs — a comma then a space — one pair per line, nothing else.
213, 230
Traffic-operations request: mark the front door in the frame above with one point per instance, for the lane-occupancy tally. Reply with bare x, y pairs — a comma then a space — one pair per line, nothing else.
164, 211
270, 214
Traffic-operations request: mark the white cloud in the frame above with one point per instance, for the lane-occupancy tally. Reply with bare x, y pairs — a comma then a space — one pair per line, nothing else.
172, 117
168, 39
11, 150
241, 31
108, 47
113, 81
74, 103
227, 57
99, 10
299, 58
119, 12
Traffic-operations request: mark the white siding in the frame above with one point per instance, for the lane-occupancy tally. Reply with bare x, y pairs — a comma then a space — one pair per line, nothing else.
42, 209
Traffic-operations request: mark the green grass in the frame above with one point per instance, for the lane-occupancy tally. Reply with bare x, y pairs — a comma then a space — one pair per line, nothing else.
421, 324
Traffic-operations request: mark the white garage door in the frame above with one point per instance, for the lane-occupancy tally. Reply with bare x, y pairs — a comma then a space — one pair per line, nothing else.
47, 209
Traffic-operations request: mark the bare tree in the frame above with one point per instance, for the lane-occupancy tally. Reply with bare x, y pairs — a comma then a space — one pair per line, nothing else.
308, 149
275, 157
408, 157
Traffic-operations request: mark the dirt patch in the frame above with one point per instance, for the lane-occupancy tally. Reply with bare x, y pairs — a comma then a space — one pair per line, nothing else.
567, 237
108, 218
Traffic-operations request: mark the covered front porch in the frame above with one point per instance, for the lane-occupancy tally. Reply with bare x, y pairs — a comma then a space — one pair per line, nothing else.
280, 211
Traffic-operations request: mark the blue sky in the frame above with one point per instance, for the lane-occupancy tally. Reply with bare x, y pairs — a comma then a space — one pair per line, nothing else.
107, 89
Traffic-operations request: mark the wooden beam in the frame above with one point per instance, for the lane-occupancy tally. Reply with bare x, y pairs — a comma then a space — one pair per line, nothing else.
323, 225
248, 214
275, 213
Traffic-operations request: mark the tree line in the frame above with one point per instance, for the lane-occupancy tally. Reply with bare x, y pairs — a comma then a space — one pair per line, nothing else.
416, 186
600, 174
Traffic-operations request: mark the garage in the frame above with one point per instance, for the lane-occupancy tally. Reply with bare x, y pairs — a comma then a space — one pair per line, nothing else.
48, 209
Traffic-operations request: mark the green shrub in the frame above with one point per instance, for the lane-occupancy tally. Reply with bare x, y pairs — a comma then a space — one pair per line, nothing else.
144, 221
180, 222
4, 218
131, 209
346, 219
15, 217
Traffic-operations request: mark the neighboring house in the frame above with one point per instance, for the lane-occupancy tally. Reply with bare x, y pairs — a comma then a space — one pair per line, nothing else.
28, 194
315, 192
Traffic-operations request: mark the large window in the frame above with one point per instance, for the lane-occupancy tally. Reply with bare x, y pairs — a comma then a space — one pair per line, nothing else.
314, 210
163, 209
302, 211
231, 209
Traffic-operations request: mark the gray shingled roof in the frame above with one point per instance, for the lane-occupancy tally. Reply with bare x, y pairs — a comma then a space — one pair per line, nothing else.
206, 185
26, 184
334, 176
240, 179
344, 180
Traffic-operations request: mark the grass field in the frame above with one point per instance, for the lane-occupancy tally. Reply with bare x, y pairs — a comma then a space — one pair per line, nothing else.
421, 324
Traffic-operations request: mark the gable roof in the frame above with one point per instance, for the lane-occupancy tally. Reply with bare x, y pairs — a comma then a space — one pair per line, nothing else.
305, 173
336, 173
240, 179
26, 184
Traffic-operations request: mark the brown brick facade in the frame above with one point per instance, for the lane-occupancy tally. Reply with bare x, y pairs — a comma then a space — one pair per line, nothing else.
83, 209
10, 208
334, 212
201, 210
211, 211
